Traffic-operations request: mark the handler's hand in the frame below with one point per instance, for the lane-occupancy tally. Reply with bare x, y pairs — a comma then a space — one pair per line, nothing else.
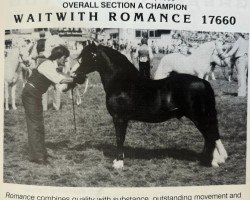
73, 74
68, 87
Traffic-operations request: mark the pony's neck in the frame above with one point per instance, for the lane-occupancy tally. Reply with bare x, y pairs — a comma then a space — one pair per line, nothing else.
107, 70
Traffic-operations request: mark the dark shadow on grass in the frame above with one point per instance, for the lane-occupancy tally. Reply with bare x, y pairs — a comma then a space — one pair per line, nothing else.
109, 150
230, 94
57, 145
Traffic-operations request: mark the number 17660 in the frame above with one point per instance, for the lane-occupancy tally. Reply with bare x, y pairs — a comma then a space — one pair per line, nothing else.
226, 20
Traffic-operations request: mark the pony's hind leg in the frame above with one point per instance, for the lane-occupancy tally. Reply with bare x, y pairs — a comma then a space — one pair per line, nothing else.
204, 115
120, 130
221, 150
214, 151
230, 74
210, 154
212, 71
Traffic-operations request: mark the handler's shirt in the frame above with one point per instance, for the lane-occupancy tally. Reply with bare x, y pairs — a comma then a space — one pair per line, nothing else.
48, 69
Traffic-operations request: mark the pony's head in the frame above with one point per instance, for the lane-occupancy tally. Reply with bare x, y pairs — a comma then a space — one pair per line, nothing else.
87, 59
103, 59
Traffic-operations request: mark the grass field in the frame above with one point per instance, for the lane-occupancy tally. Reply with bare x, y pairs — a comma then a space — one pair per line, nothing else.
162, 154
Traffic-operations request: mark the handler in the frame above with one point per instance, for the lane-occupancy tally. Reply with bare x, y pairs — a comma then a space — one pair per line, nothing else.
38, 83
144, 54
240, 52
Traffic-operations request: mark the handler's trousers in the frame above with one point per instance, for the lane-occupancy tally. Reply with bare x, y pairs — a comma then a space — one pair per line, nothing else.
241, 66
32, 102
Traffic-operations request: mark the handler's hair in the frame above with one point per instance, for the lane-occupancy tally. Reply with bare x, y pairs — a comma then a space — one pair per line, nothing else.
58, 52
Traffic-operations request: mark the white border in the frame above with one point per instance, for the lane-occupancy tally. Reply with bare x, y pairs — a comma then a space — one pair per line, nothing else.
196, 8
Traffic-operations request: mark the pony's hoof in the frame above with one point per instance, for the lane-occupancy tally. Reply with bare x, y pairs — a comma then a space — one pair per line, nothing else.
14, 108
78, 101
118, 164
223, 155
219, 156
215, 164
56, 107
221, 151
216, 159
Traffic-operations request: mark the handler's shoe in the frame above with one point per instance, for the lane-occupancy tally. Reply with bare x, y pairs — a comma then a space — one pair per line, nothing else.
40, 161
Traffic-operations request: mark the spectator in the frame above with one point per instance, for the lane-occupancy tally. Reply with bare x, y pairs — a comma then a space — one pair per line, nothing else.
144, 54
240, 53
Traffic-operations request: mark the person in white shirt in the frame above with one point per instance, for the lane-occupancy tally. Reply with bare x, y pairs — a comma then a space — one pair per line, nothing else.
44, 47
52, 41
38, 83
240, 53
145, 55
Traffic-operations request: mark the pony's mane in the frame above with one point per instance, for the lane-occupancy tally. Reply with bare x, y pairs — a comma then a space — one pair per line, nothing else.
118, 59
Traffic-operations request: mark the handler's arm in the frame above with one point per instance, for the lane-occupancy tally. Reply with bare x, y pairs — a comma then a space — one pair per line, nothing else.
66, 80
48, 69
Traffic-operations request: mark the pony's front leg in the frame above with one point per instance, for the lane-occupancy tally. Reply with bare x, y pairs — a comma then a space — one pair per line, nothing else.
206, 77
213, 76
13, 96
6, 94
120, 131
212, 71
230, 74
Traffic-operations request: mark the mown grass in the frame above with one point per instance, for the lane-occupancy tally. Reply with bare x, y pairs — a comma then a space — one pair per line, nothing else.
162, 154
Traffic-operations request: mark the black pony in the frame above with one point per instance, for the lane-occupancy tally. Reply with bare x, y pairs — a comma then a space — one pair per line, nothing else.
130, 96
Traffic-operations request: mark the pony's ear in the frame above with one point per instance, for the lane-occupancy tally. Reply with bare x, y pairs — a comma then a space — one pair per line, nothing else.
93, 46
88, 42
